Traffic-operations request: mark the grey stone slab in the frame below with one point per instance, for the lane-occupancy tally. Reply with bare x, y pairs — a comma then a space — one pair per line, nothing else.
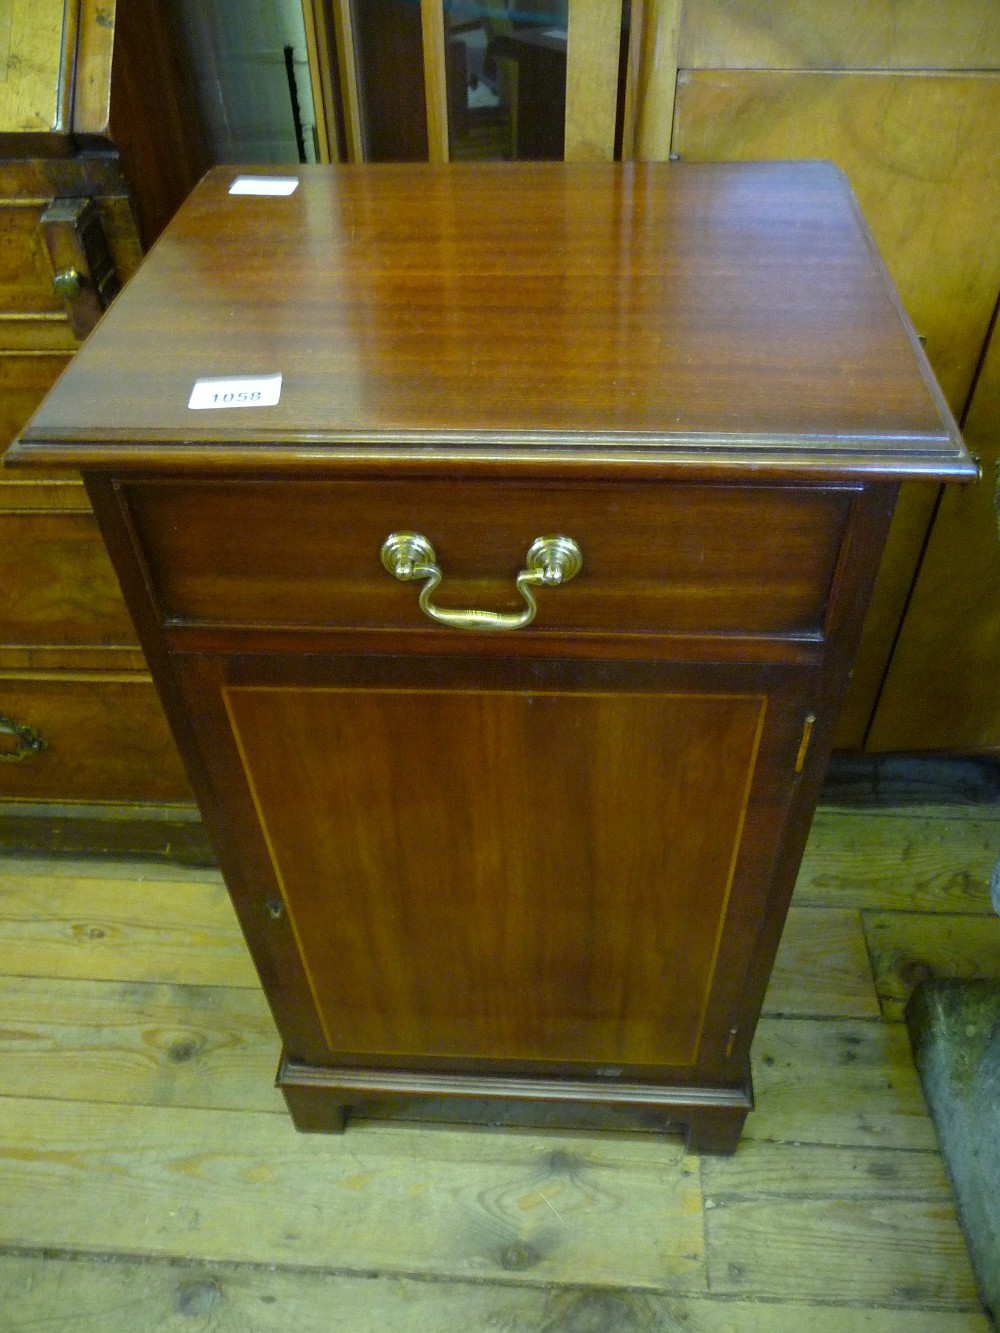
955, 1032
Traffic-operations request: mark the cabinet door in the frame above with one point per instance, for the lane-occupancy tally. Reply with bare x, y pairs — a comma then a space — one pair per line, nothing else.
537, 863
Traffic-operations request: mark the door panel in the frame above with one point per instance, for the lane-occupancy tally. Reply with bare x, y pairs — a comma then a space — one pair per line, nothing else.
468, 863
458, 891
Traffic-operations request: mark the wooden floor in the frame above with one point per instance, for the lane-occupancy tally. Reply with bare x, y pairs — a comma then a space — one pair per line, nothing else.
149, 1178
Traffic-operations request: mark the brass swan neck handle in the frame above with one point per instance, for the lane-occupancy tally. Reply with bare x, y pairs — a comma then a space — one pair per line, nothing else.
550, 561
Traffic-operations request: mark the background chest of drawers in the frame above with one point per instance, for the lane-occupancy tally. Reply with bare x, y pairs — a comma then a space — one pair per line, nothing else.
98, 146
473, 852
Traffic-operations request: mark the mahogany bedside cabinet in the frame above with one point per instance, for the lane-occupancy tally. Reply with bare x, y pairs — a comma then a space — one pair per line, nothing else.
499, 538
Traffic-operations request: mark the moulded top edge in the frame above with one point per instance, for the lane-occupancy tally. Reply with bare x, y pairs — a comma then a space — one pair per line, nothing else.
899, 457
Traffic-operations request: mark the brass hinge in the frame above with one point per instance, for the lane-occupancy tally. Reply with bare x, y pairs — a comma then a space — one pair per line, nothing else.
731, 1043
807, 731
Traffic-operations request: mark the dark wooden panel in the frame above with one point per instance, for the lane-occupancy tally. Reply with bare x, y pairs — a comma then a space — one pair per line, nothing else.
656, 559
152, 114
172, 834
389, 59
515, 875
106, 740
907, 534
56, 582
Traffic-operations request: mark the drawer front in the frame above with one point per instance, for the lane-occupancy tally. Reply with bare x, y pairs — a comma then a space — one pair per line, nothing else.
44, 334
657, 559
24, 382
26, 277
56, 583
103, 740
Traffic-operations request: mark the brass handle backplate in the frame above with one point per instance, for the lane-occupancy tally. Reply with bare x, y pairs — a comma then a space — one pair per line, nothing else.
29, 741
550, 561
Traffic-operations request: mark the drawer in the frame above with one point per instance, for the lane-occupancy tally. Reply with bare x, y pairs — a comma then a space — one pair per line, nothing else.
24, 382
57, 585
656, 559
44, 334
25, 269
105, 740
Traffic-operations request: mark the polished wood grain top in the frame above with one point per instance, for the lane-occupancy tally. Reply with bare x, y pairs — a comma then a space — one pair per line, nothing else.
693, 314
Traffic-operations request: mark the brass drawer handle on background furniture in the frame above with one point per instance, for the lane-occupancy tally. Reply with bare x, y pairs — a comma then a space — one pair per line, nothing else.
29, 741
68, 283
550, 561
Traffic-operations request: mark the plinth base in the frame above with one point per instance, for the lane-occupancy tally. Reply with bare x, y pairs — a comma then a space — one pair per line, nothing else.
321, 1100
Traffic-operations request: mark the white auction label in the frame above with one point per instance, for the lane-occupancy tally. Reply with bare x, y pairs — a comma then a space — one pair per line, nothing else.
264, 185
258, 391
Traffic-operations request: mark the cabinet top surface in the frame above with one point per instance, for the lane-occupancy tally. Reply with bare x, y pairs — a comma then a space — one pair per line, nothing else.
708, 316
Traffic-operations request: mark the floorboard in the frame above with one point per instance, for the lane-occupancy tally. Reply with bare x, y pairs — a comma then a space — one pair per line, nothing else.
822, 967
837, 1082
874, 1250
150, 1179
909, 947
824, 1172
443, 1203
152, 1297
923, 861
144, 1043
113, 929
